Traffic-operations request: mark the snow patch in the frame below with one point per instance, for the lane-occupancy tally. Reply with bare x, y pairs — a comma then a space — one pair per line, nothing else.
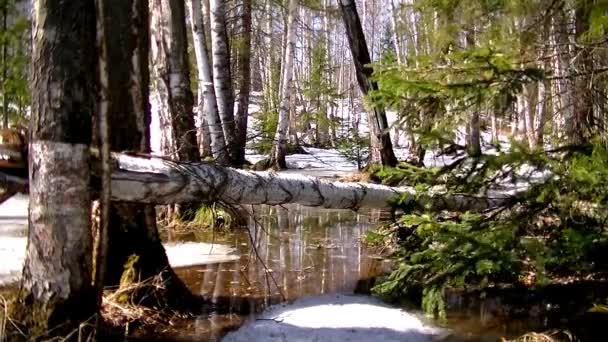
13, 244
336, 317
198, 253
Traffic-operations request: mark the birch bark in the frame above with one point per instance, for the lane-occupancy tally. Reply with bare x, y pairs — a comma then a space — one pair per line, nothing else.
222, 77
56, 290
206, 87
279, 148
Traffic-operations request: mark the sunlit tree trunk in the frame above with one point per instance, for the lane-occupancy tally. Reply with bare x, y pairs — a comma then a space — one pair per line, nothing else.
279, 148
56, 290
395, 27
204, 138
563, 55
269, 57
473, 135
244, 77
473, 143
171, 62
206, 88
378, 123
222, 77
327, 132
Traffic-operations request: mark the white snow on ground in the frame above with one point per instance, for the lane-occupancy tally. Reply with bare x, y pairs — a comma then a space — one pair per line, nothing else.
197, 253
13, 242
318, 162
335, 317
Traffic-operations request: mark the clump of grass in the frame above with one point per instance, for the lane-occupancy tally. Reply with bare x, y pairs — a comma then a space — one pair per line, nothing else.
208, 216
122, 307
214, 216
550, 336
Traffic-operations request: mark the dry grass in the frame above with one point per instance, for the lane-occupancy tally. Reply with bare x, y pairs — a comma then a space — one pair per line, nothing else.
550, 336
214, 216
122, 308
357, 177
10, 329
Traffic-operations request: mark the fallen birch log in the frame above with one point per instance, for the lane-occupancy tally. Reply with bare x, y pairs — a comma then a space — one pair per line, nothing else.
159, 181
153, 180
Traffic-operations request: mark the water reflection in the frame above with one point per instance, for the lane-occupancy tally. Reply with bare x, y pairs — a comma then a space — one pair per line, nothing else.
298, 252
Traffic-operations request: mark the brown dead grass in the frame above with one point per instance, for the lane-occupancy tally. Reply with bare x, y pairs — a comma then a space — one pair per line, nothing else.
121, 309
362, 177
549, 336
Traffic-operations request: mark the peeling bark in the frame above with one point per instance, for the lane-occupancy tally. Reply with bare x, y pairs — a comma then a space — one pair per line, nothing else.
56, 290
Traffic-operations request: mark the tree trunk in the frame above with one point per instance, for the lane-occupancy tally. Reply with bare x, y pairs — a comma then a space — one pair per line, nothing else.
125, 95
172, 69
161, 181
563, 54
56, 290
378, 123
206, 88
395, 27
473, 135
473, 144
581, 127
279, 147
169, 20
244, 76
204, 135
531, 96
5, 65
204, 138
221, 72
494, 128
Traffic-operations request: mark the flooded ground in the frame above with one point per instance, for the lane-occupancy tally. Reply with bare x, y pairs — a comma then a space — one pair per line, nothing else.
298, 252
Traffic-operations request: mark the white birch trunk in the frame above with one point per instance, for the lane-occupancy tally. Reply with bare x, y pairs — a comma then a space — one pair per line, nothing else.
280, 141
394, 25
205, 81
221, 70
160, 181
530, 97
198, 35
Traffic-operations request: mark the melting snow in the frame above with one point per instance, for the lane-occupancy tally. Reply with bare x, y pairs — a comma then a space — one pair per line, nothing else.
13, 243
335, 317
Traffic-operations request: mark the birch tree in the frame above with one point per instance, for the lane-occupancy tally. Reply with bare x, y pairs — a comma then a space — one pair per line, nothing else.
56, 289
170, 62
244, 79
206, 85
124, 95
279, 148
358, 46
221, 71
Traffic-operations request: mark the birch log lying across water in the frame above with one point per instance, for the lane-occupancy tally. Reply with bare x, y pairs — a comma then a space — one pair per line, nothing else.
154, 180
160, 181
